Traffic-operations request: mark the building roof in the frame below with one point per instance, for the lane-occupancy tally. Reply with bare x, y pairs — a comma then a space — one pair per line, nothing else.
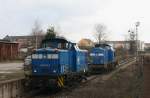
12, 38
6, 41
147, 44
121, 41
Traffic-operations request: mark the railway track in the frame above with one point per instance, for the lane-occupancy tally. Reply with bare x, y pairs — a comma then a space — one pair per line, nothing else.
127, 61
120, 66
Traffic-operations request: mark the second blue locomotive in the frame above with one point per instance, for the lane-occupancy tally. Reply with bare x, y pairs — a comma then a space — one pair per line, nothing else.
102, 56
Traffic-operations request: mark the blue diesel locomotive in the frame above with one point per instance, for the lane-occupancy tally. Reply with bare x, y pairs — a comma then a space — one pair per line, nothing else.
58, 61
102, 56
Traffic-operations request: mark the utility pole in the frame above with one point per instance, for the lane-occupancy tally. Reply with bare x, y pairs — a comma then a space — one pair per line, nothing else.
139, 63
137, 24
36, 41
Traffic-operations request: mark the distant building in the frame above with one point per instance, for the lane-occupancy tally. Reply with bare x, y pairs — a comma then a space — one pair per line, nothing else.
127, 44
147, 46
26, 41
118, 44
141, 45
8, 50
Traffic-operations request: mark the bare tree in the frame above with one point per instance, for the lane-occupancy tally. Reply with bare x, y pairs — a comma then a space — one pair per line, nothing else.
100, 32
37, 32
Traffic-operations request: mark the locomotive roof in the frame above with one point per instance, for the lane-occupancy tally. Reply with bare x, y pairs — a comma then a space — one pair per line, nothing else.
102, 45
57, 39
48, 50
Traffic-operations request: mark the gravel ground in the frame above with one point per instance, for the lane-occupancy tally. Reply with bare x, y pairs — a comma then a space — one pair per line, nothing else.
11, 70
11, 66
146, 72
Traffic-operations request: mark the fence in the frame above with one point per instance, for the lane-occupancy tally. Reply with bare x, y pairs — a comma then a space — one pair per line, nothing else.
11, 88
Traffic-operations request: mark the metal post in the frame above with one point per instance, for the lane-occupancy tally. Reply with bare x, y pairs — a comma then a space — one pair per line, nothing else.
136, 25
36, 41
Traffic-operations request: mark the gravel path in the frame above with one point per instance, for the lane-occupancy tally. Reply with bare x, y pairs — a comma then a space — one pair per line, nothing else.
11, 70
10, 66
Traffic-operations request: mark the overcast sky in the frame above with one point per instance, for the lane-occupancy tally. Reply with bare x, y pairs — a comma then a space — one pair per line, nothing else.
76, 18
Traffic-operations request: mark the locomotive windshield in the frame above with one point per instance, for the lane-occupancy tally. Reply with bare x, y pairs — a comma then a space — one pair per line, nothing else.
59, 43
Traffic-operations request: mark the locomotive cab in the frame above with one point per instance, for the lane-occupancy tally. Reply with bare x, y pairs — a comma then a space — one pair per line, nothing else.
52, 59
102, 56
58, 43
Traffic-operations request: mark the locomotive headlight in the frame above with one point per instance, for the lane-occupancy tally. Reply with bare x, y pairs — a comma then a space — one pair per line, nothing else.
54, 71
35, 71
84, 70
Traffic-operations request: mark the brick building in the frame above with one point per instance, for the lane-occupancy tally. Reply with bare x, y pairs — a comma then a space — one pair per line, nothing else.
8, 50
25, 41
